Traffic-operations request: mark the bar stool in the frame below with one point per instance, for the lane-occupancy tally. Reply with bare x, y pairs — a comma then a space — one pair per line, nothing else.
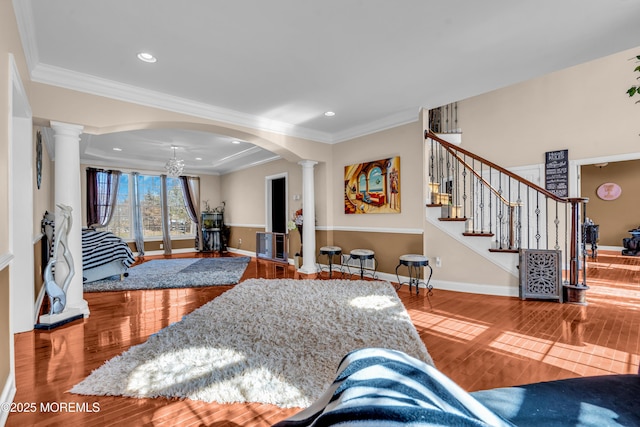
330, 252
362, 255
414, 263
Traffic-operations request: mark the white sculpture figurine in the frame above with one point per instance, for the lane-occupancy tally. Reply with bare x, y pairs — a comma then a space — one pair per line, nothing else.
58, 294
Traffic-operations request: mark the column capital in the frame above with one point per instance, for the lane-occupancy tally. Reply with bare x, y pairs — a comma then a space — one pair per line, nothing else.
66, 129
307, 163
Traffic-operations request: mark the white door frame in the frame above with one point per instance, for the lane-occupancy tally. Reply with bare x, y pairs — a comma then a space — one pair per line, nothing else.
21, 222
268, 195
574, 170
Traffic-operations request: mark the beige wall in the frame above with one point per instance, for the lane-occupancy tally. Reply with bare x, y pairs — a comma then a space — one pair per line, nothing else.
584, 109
405, 141
210, 191
615, 217
244, 191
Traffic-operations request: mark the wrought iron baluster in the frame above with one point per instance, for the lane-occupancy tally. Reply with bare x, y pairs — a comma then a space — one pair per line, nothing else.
464, 188
519, 219
546, 222
432, 165
537, 235
490, 210
556, 221
500, 214
481, 185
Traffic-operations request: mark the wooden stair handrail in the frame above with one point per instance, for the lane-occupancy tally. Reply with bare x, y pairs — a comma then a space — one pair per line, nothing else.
480, 178
430, 135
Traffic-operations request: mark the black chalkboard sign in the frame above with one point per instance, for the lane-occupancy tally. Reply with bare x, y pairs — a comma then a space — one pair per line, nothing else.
556, 172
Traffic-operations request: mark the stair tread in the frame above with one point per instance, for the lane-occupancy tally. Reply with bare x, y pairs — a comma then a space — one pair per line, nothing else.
514, 251
452, 219
478, 234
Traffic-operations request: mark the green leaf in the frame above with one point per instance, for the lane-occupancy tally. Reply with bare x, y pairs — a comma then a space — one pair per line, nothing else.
632, 91
637, 68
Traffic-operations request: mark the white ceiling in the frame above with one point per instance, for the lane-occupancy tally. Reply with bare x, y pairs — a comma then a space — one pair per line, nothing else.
280, 64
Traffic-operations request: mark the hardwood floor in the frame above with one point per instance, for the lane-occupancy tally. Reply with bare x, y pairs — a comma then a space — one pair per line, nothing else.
478, 341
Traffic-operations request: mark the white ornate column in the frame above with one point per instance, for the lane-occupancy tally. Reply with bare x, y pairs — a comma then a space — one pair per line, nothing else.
67, 192
309, 215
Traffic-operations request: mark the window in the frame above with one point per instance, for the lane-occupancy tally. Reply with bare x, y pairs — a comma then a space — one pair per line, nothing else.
180, 224
121, 221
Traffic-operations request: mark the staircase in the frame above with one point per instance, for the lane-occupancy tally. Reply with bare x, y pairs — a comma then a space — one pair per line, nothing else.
498, 213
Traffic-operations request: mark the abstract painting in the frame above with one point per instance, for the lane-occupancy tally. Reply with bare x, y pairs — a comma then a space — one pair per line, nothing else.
372, 187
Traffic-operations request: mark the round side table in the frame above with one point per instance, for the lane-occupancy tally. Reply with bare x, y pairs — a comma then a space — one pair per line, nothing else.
414, 263
362, 255
330, 252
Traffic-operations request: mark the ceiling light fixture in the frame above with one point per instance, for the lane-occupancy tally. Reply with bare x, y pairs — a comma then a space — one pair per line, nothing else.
147, 57
329, 113
235, 142
174, 166
117, 149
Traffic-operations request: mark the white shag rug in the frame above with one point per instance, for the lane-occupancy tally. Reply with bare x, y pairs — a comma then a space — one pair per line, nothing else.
269, 341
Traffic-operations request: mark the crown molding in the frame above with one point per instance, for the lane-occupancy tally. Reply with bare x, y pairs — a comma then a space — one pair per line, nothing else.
68, 79
389, 122
26, 29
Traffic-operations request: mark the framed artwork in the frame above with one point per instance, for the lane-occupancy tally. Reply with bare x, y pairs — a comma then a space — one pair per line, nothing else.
609, 191
38, 159
372, 187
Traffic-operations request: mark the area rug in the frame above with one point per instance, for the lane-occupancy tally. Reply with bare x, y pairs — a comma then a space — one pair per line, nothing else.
269, 341
175, 273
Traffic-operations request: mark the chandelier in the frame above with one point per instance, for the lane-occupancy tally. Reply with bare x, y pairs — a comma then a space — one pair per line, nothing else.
174, 166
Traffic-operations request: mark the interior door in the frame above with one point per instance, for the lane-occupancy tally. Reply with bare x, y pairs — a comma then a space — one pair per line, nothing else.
278, 205
277, 213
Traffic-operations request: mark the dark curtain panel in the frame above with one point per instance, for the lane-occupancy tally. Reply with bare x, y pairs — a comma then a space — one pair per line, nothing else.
191, 193
102, 189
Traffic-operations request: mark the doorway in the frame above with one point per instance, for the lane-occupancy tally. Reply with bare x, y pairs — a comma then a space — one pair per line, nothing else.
276, 210
278, 205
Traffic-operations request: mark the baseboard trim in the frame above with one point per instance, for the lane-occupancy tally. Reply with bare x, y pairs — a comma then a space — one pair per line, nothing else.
608, 248
8, 393
173, 251
477, 288
471, 288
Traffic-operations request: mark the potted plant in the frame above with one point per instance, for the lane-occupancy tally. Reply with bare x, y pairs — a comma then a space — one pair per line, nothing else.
635, 89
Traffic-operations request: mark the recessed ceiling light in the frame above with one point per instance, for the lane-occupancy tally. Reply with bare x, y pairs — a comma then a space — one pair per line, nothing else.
147, 57
198, 158
329, 113
117, 149
235, 142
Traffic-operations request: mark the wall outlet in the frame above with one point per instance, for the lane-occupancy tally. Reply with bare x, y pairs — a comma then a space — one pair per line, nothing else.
239, 242
438, 262
161, 246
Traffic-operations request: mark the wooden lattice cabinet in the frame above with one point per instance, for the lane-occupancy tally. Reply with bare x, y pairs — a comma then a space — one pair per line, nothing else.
541, 274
